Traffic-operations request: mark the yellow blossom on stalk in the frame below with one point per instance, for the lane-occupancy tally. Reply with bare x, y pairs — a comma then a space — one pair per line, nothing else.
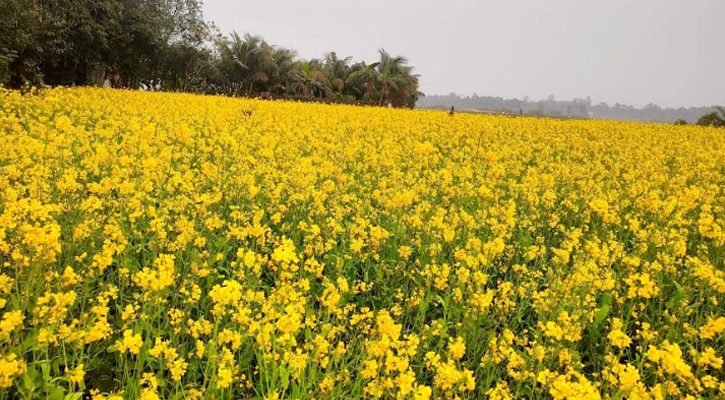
422, 392
78, 374
572, 386
10, 368
178, 369
405, 382
131, 342
456, 348
149, 392
129, 312
285, 253
70, 277
386, 326
560, 256
342, 284
249, 259
616, 335
297, 362
669, 356
712, 328
370, 369
500, 392
641, 285
564, 328
288, 248
627, 377
10, 321
449, 377
710, 358
159, 277
229, 293
225, 372
599, 206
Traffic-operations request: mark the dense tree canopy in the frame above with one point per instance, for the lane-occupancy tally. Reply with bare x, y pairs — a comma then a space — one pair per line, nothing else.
167, 45
714, 118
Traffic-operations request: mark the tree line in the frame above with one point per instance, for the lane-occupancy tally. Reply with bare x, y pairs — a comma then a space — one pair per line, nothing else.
713, 118
167, 45
577, 108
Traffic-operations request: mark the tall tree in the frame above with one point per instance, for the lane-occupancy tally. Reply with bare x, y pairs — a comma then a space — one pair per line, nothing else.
247, 59
286, 67
310, 79
714, 118
396, 80
336, 71
166, 45
362, 79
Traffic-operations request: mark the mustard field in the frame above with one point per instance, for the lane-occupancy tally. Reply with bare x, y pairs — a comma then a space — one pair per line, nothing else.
173, 246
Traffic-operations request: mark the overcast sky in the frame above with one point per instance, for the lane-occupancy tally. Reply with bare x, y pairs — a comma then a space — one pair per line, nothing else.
670, 52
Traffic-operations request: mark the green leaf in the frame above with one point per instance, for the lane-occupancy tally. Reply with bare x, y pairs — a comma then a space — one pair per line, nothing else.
177, 396
56, 394
284, 376
601, 315
594, 330
74, 396
30, 379
45, 368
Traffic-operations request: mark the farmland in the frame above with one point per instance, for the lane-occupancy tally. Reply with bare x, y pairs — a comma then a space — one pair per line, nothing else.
182, 246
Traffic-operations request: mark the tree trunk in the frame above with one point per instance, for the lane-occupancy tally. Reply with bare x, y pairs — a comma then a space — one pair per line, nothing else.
383, 93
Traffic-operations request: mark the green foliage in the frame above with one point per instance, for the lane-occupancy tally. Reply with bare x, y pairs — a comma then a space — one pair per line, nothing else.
249, 66
166, 45
715, 118
82, 42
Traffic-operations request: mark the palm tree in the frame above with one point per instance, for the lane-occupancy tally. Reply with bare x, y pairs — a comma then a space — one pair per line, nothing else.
286, 67
362, 79
407, 95
392, 74
264, 67
236, 53
247, 65
336, 71
310, 77
248, 60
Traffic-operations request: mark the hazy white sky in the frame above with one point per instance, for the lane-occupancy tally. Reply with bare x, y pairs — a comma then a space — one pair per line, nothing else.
670, 52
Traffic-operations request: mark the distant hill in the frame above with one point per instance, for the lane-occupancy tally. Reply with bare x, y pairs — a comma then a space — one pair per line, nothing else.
576, 108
